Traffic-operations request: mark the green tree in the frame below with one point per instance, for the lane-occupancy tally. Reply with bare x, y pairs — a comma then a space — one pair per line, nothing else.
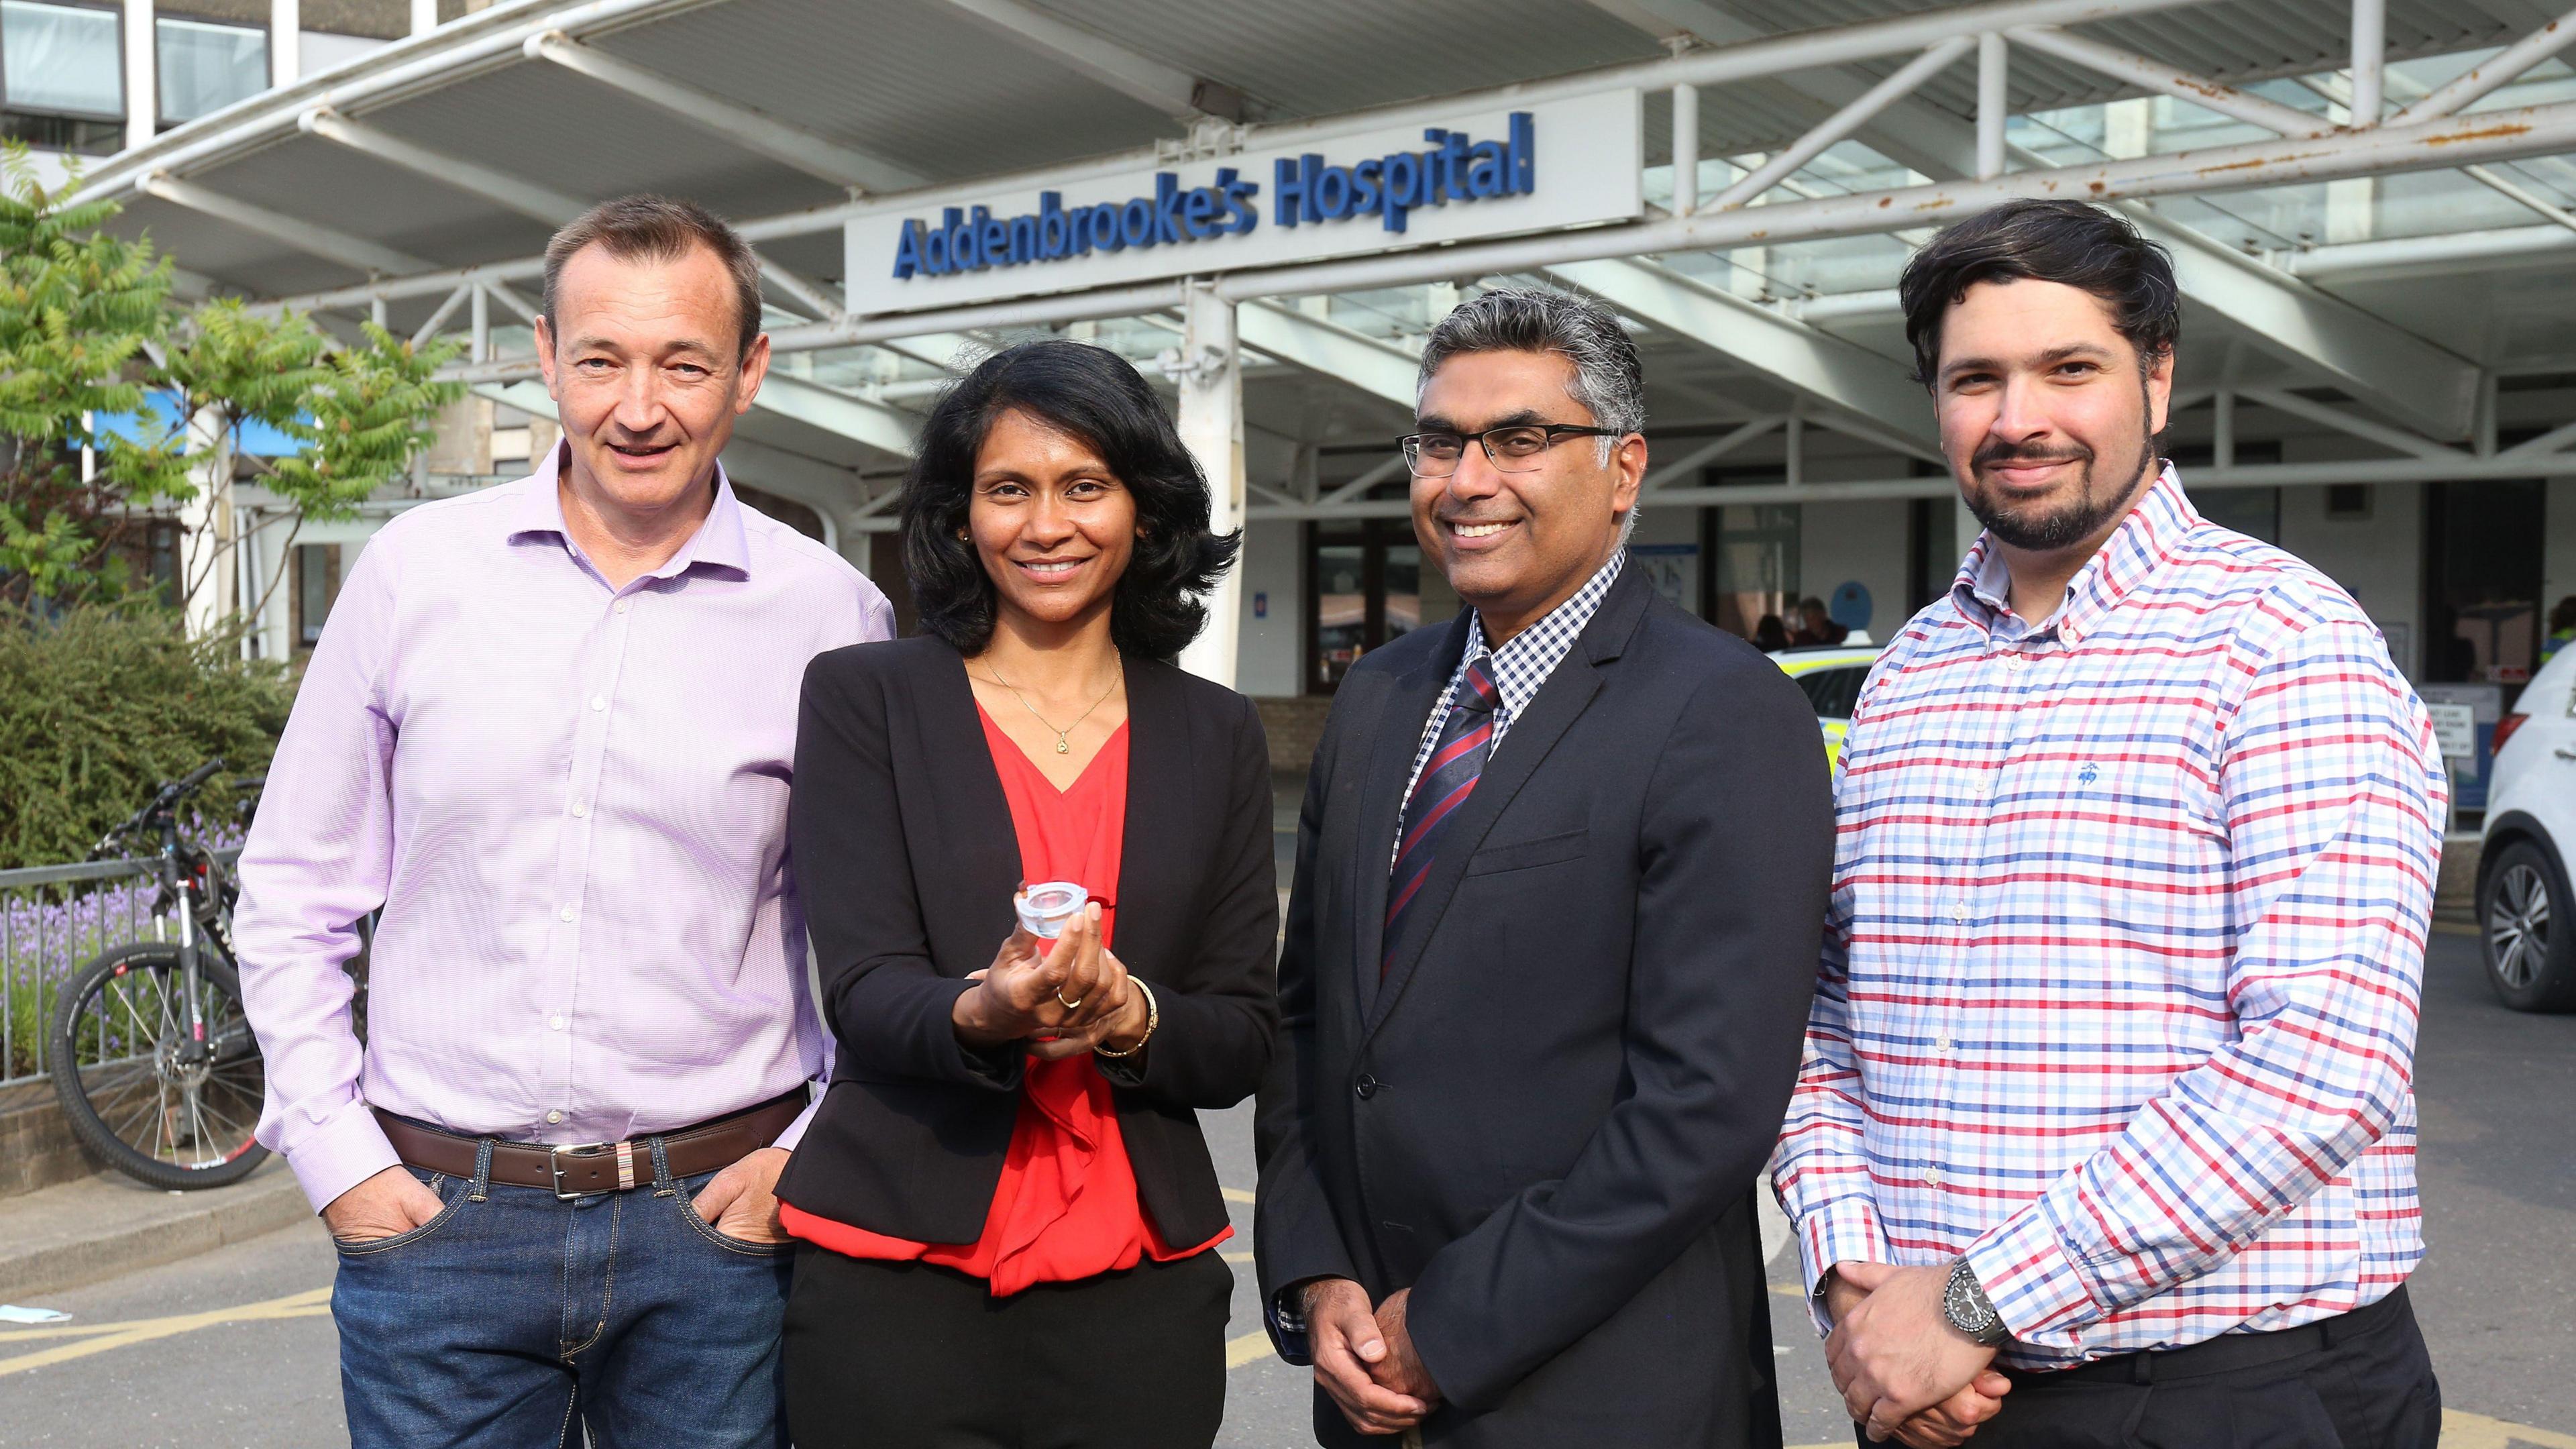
89, 327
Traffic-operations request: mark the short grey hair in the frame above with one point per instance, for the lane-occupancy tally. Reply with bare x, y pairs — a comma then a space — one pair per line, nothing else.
1609, 381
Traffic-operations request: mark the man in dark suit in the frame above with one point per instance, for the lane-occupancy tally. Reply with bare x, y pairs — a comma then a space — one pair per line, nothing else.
1561, 870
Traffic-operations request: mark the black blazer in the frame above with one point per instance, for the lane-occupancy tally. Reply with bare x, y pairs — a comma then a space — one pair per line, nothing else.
1549, 1118
905, 862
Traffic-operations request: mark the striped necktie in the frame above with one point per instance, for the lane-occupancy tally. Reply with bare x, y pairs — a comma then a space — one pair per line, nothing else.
1447, 779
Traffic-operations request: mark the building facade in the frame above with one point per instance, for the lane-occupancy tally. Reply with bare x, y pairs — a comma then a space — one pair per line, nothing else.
2371, 206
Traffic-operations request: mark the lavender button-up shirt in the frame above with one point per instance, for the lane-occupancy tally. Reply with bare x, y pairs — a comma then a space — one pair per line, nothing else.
571, 802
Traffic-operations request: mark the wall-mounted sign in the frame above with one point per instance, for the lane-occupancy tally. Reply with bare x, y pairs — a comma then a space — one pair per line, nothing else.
1563, 163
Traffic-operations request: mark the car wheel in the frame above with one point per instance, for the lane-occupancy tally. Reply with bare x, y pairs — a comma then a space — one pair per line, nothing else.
2530, 935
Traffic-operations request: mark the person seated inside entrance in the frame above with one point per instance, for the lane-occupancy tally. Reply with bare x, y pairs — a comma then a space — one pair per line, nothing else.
1005, 1202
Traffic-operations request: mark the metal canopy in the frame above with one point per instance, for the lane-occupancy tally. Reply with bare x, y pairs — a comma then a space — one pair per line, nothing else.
418, 181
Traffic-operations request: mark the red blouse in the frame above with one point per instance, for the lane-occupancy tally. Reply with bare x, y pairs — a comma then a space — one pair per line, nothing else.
1065, 1208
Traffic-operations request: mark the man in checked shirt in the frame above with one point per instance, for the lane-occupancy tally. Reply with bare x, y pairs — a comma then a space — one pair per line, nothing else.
2105, 1131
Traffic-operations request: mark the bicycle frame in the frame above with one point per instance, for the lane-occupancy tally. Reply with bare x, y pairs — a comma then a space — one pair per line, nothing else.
179, 882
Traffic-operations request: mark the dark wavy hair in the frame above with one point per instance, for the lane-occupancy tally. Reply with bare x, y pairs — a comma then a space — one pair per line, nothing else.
2073, 242
1094, 395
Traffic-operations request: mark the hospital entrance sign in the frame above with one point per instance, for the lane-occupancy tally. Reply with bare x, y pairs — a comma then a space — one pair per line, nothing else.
1563, 163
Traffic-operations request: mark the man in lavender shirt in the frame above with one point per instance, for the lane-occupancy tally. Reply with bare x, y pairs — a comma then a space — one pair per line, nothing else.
549, 732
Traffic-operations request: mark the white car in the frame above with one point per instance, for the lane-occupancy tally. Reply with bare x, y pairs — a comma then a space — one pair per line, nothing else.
2525, 909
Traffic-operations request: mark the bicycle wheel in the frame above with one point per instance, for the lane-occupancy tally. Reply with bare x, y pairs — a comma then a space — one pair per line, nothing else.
128, 1087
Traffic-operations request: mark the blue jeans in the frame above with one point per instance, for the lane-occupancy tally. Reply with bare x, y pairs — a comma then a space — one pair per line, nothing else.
511, 1315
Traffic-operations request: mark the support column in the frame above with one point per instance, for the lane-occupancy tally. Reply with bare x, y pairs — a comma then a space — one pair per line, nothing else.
142, 72
1965, 528
285, 41
424, 16
1211, 424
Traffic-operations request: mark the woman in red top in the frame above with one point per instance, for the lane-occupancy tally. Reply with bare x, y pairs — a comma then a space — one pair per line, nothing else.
1005, 1205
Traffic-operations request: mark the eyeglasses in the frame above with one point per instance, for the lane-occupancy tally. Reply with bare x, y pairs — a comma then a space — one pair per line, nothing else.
1516, 449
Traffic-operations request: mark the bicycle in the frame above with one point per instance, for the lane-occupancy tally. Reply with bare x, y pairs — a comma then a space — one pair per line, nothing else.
153, 1058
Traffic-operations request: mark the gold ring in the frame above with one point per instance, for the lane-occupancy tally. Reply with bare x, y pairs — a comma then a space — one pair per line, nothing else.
1073, 1005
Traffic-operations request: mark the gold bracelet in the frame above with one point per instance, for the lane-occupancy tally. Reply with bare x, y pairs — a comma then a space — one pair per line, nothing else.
1153, 1019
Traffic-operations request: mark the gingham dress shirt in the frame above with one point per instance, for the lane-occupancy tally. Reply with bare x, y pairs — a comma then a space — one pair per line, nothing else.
1520, 666
2125, 948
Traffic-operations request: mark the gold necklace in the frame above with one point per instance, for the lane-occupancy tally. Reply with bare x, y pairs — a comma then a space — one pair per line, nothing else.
1062, 747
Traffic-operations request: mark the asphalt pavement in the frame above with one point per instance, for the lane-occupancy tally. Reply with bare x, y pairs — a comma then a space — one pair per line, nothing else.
235, 1348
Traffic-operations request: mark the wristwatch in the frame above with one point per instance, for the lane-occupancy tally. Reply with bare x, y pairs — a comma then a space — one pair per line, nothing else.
1964, 1304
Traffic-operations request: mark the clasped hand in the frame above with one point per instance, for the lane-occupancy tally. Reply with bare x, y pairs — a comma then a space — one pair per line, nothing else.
1903, 1372
1364, 1357
1062, 998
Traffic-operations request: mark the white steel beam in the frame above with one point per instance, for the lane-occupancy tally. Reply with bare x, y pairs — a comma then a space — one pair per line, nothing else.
2413, 255
884, 428
2468, 469
1902, 82
2317, 331
1167, 88
1994, 103
1808, 362
2281, 400
815, 297
2386, 150
446, 310
2477, 82
1706, 453
953, 351
2369, 60
745, 126
2391, 368
1376, 474
2529, 199
2131, 68
525, 197
1372, 366
491, 39
311, 237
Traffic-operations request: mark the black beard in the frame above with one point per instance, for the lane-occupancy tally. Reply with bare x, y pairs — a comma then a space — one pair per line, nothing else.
2068, 524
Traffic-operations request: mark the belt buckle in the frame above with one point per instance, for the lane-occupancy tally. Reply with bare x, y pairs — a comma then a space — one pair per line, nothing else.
556, 1155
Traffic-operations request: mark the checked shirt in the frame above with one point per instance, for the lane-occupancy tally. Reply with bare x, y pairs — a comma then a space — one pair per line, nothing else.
2121, 969
1519, 667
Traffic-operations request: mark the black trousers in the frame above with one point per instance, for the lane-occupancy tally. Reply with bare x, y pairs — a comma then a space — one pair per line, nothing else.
2360, 1380
912, 1356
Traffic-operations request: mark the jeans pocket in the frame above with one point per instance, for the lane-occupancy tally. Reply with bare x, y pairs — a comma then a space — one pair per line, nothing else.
452, 1196
697, 1222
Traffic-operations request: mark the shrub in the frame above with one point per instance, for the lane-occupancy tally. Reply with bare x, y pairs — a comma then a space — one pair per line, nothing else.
100, 704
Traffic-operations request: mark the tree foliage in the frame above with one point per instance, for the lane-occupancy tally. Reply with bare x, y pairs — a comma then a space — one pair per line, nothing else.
90, 329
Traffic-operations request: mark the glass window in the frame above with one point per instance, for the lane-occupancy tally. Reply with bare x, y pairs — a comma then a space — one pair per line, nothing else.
206, 67
1834, 692
61, 58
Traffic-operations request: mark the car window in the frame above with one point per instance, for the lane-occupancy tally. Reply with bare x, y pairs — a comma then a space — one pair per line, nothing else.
1833, 692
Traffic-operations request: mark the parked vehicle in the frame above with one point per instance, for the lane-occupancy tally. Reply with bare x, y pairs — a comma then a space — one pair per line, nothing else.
153, 1061
1832, 678
2523, 896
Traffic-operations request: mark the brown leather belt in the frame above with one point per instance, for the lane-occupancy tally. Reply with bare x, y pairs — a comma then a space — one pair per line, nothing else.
594, 1167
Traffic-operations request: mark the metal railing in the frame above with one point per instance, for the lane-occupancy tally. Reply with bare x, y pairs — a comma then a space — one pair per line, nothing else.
55, 919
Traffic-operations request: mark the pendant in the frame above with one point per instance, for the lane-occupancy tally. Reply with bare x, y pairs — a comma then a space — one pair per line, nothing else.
1061, 747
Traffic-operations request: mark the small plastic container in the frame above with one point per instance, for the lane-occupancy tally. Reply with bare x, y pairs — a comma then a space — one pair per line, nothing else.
1047, 907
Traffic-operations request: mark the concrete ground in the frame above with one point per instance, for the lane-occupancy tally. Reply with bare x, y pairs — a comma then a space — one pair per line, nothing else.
234, 1346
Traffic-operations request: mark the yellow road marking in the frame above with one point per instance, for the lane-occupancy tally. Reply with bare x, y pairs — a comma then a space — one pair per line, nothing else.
1234, 1194
100, 1337
2459, 1431
2456, 928
1252, 1348
2477, 1431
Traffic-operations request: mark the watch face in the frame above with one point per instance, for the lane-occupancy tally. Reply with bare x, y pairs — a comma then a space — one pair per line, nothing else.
1967, 1313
